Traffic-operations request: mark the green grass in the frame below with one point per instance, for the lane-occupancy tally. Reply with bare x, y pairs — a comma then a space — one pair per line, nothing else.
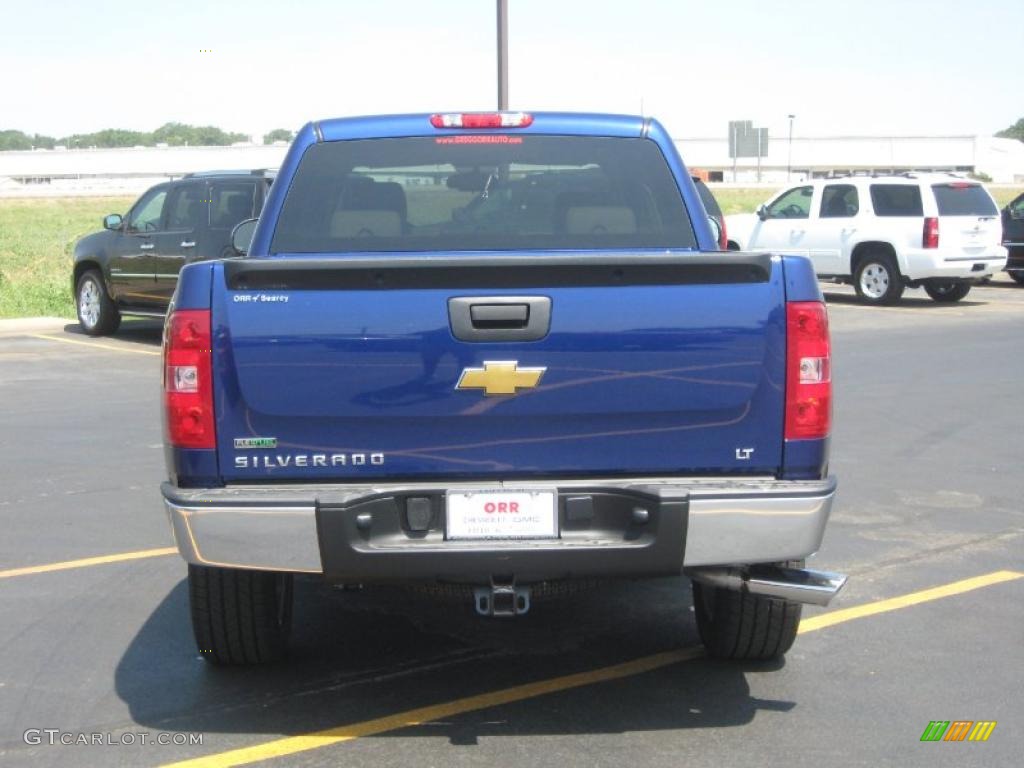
1003, 195
741, 200
37, 237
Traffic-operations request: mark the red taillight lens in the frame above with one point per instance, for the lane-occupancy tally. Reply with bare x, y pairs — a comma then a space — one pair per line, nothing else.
482, 120
723, 239
930, 238
808, 371
188, 385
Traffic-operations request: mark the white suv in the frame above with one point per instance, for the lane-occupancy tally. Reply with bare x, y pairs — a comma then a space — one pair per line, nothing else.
883, 233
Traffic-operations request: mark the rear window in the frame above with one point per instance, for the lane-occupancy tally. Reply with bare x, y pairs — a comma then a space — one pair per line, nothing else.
708, 199
482, 192
839, 201
958, 199
896, 200
231, 203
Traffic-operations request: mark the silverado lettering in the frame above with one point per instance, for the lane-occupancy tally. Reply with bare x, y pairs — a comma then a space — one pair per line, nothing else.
309, 460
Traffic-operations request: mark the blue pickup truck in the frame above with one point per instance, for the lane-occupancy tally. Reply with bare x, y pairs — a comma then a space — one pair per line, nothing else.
497, 352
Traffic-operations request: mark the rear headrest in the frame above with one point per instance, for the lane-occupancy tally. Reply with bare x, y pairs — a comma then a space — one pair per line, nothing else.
365, 224
389, 196
600, 219
363, 194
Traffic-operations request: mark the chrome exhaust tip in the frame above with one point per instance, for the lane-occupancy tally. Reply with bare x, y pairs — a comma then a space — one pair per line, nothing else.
798, 585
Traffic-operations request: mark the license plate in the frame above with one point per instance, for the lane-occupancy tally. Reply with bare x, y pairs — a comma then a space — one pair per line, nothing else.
505, 514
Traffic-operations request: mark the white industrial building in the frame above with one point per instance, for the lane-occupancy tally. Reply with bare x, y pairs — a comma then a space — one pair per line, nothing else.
806, 157
55, 172
131, 170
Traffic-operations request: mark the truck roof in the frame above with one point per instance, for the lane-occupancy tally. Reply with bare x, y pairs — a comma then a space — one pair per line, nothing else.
393, 126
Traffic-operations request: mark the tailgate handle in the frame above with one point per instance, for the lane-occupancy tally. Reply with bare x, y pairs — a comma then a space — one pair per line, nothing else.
499, 318
499, 315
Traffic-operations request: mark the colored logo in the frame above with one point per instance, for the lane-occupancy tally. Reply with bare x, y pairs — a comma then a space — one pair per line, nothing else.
500, 378
958, 730
242, 443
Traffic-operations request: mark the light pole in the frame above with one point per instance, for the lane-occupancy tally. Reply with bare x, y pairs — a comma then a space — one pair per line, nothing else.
502, 55
789, 159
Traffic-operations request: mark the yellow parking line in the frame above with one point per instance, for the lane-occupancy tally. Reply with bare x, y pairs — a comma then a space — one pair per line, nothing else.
87, 561
304, 743
96, 344
905, 601
293, 744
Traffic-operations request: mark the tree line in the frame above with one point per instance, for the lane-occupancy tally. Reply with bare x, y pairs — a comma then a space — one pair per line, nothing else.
172, 134
1015, 131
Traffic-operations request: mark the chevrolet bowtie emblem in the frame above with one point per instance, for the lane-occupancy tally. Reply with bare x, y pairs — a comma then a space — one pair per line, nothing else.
500, 377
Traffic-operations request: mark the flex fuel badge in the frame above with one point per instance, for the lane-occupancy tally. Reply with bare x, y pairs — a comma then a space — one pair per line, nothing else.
255, 442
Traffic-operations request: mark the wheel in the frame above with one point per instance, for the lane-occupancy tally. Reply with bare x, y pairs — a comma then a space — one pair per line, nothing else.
240, 617
1018, 276
877, 279
947, 292
97, 313
738, 625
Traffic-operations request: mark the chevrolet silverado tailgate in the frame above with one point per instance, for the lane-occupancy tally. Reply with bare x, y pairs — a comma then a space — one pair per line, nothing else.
647, 363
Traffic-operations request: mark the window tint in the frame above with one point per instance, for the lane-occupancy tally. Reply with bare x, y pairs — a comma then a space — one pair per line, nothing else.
231, 203
896, 200
482, 192
186, 207
710, 203
839, 201
1017, 206
145, 216
959, 199
794, 204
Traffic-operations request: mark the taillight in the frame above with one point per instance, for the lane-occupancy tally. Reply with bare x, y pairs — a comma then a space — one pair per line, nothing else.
482, 120
930, 238
188, 385
808, 371
723, 238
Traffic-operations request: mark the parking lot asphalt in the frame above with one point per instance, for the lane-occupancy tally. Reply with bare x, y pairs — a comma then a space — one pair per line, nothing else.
929, 523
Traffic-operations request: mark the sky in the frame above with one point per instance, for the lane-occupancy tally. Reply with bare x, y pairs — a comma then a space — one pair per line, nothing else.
870, 67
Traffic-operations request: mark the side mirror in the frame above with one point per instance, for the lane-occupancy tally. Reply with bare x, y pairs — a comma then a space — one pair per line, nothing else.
241, 236
716, 228
762, 213
113, 221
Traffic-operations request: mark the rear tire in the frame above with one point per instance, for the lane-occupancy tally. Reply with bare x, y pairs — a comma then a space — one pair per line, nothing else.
240, 617
1017, 277
877, 279
740, 626
97, 313
947, 292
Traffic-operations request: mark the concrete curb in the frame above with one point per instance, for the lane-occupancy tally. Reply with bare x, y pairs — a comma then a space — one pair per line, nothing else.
21, 325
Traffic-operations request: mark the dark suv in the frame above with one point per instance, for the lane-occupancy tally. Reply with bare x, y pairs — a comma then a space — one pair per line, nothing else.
1013, 237
131, 268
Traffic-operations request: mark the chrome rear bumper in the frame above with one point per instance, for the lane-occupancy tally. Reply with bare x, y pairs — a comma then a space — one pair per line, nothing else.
695, 522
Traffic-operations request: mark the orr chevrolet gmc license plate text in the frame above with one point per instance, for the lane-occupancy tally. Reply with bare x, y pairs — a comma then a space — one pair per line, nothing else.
518, 514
